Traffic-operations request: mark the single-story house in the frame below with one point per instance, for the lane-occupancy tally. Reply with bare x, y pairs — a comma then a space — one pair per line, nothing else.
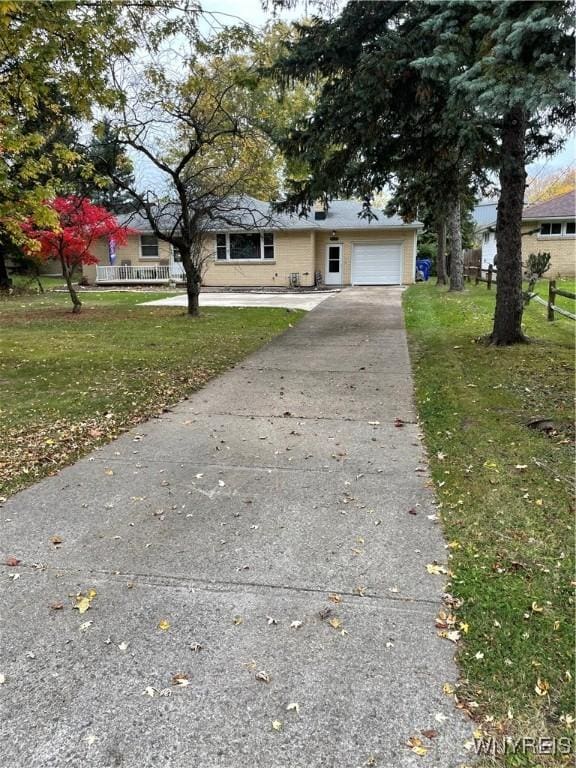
332, 246
549, 226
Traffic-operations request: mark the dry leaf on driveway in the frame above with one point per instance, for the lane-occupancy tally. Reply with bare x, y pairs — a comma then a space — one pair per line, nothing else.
163, 624
415, 744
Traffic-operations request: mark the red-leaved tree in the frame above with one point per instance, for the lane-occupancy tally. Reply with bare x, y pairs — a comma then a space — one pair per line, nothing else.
80, 225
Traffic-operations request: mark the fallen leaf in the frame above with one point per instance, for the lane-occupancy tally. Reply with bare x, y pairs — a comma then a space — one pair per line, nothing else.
429, 733
56, 540
542, 687
277, 725
2, 679
271, 620
85, 625
237, 620
13, 561
295, 625
335, 622
149, 691
334, 598
440, 717
416, 746
435, 569
163, 624
123, 646
57, 606
90, 739
263, 676
293, 707
180, 679
82, 604
448, 689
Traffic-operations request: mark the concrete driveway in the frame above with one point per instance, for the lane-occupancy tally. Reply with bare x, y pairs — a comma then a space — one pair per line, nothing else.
258, 564
241, 299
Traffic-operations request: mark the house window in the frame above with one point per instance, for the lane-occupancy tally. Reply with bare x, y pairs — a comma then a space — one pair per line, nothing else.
176, 255
149, 246
571, 227
221, 248
551, 228
268, 242
245, 246
486, 237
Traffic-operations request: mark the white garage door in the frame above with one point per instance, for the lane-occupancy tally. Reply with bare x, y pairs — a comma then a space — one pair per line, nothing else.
377, 264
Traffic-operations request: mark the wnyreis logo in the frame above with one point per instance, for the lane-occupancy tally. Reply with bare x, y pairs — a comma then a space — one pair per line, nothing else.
525, 745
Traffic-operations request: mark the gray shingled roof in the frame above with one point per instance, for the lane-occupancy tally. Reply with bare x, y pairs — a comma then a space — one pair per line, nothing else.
559, 207
248, 212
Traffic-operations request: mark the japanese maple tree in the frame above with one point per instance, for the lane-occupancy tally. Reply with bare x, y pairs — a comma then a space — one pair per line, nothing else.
80, 225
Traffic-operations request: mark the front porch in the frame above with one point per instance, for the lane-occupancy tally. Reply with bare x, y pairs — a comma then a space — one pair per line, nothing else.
148, 274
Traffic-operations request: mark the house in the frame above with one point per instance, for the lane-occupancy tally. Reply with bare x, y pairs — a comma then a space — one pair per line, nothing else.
331, 246
548, 226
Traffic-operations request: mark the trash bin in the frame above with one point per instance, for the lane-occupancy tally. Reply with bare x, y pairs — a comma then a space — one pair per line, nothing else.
424, 266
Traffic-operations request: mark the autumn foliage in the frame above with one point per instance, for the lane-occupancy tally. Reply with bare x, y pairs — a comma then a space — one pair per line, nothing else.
80, 225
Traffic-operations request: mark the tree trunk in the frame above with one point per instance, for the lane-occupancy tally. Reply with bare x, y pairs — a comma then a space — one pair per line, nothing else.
441, 253
193, 279
5, 281
456, 254
67, 274
193, 291
509, 304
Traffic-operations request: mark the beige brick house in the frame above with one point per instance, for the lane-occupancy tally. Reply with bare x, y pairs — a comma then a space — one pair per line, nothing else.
329, 247
549, 226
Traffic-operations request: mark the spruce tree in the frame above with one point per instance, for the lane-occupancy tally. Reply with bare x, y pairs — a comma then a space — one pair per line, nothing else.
109, 159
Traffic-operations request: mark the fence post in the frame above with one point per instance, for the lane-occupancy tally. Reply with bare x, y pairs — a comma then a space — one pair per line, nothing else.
489, 280
551, 292
478, 275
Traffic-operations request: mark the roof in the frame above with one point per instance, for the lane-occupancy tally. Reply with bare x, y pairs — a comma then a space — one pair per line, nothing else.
485, 213
559, 207
247, 212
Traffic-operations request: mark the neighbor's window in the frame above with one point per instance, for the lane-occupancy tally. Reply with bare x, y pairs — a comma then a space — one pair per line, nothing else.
245, 246
551, 228
149, 246
486, 237
571, 227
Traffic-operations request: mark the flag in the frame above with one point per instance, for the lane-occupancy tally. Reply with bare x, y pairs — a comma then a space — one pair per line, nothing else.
112, 250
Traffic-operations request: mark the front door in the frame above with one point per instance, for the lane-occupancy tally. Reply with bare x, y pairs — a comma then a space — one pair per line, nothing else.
333, 275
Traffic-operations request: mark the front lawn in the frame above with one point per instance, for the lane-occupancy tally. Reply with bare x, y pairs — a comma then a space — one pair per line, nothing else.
69, 382
505, 492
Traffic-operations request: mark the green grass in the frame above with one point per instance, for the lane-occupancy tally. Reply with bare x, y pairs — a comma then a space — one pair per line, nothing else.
69, 382
506, 495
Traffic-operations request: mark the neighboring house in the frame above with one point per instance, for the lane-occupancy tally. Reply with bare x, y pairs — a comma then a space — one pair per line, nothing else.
549, 226
331, 247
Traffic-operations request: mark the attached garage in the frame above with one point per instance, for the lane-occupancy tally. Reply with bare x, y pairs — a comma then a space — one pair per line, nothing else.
376, 263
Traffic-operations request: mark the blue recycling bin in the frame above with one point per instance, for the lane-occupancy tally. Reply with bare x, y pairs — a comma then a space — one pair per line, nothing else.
424, 266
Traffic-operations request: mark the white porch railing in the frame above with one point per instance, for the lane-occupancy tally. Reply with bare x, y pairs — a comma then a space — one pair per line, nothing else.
152, 273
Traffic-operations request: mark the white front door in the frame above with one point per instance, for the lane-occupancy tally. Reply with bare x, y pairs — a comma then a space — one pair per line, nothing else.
333, 272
